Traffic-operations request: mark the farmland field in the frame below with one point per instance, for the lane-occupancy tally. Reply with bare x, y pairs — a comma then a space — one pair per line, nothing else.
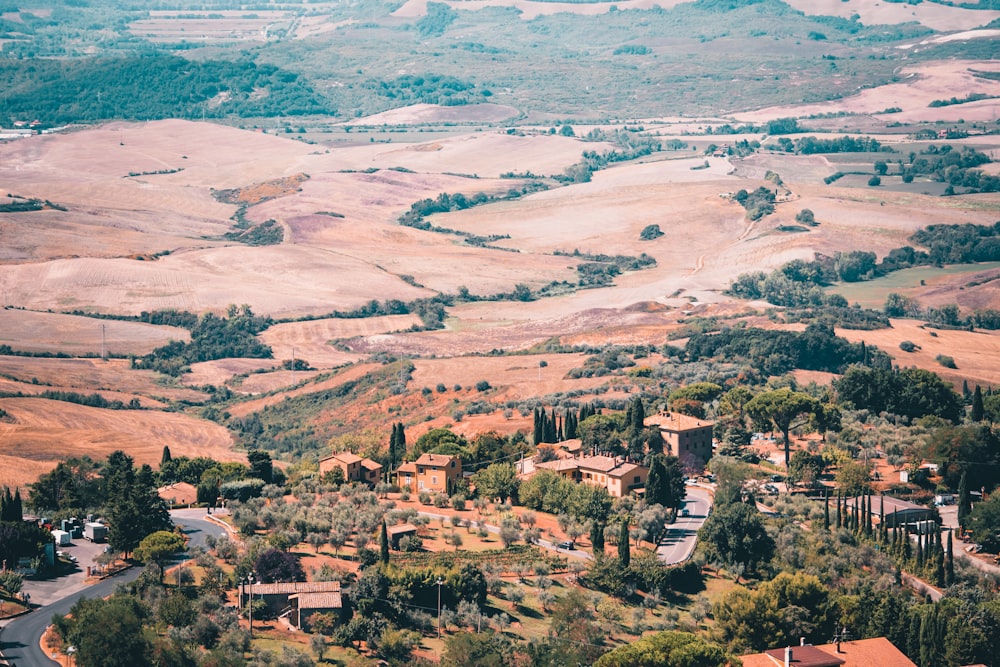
551, 110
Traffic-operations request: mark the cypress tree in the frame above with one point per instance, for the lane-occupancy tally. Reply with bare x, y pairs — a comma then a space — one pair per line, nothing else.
840, 521
383, 543
963, 499
17, 510
570, 430
5, 504
597, 537
949, 573
624, 552
550, 427
978, 412
538, 431
920, 552
165, 456
826, 510
939, 572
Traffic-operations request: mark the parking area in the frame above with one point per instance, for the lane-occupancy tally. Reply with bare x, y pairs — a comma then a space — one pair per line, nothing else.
46, 591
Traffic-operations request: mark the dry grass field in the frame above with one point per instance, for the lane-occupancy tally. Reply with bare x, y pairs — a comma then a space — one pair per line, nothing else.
42, 432
143, 229
32, 331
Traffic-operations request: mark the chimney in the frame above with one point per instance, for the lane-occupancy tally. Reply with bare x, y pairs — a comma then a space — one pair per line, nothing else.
788, 656
802, 641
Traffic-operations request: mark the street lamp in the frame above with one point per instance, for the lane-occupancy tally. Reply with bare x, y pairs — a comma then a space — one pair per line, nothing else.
250, 581
439, 583
71, 651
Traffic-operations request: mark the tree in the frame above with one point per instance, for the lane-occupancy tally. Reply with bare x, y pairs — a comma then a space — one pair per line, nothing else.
665, 484
133, 507
488, 649
984, 522
275, 565
165, 456
497, 480
261, 465
624, 555
109, 633
778, 613
383, 543
734, 534
784, 409
805, 468
157, 547
669, 648
977, 412
964, 500
597, 537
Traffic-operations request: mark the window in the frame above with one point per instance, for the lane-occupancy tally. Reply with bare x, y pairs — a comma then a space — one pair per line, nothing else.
434, 479
635, 480
421, 485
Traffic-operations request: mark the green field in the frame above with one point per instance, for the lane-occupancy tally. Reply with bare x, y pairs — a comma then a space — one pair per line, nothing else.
871, 294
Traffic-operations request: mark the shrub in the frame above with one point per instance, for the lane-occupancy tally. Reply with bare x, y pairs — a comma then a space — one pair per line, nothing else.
874, 181
482, 385
650, 232
946, 361
908, 346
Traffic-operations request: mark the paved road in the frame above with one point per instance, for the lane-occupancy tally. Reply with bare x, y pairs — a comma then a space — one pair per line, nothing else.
682, 535
19, 638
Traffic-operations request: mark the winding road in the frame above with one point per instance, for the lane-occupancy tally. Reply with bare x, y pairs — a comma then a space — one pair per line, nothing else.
682, 535
19, 638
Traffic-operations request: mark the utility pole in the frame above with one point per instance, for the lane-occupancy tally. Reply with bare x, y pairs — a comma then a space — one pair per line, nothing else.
439, 583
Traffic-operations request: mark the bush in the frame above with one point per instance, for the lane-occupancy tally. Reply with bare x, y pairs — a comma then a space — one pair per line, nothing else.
874, 181
482, 385
907, 346
650, 232
946, 361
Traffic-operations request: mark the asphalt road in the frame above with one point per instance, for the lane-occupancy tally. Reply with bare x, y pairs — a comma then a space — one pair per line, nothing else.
682, 535
19, 638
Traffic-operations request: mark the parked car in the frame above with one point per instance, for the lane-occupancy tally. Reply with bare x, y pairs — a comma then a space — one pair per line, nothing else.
685, 512
566, 545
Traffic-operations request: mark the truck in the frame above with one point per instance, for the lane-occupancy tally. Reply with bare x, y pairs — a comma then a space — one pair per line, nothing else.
61, 537
95, 532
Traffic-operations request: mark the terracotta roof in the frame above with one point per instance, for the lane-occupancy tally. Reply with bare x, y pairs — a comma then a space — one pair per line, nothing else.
598, 463
409, 467
625, 469
573, 445
344, 457
329, 600
877, 652
368, 464
674, 421
559, 465
439, 460
296, 587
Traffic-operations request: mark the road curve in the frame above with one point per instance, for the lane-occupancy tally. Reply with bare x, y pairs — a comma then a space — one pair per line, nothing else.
682, 536
19, 639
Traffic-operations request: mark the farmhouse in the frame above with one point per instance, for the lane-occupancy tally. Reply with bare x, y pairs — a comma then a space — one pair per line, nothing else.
355, 468
431, 472
298, 600
398, 532
687, 438
877, 652
619, 477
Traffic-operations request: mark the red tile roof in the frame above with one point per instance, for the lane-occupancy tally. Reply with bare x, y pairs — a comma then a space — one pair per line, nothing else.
674, 421
877, 652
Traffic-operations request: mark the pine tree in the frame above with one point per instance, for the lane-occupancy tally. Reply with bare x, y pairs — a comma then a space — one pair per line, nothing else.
597, 537
383, 544
977, 412
624, 552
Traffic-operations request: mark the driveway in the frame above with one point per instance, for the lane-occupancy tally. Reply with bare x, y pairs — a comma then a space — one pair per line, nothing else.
682, 536
19, 638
